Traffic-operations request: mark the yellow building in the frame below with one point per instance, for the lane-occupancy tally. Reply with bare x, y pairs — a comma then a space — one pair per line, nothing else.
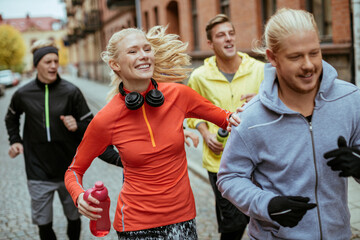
33, 29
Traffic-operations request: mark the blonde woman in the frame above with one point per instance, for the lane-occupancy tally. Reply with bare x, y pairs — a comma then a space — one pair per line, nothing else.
144, 120
273, 167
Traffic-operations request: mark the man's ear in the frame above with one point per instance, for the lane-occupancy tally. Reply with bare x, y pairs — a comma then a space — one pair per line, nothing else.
271, 57
114, 66
210, 44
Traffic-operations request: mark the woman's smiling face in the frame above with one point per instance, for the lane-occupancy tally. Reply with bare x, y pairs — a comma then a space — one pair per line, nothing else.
135, 59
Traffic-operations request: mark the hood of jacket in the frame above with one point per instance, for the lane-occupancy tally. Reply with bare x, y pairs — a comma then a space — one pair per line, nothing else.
268, 92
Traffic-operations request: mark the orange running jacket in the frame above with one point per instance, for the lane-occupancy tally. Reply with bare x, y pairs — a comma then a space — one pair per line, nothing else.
150, 140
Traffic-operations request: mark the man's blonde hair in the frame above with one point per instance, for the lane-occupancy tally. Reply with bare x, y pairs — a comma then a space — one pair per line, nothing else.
282, 24
170, 54
42, 43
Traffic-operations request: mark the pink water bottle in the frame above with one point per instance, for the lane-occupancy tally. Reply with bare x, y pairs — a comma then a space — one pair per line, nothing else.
100, 227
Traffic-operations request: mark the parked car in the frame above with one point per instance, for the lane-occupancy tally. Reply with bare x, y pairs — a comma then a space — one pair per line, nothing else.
17, 78
7, 78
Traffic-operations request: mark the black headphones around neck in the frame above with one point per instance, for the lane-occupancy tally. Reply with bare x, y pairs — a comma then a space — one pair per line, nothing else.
135, 100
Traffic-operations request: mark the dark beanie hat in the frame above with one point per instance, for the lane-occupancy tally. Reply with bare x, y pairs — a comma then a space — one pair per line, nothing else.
41, 52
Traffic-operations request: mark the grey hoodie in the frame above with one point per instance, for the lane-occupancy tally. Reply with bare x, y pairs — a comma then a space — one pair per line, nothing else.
276, 151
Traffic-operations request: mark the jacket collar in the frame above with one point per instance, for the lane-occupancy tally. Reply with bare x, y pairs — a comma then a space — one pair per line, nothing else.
213, 71
53, 84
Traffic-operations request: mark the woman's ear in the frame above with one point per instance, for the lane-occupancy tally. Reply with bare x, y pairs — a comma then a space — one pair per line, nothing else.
114, 66
271, 57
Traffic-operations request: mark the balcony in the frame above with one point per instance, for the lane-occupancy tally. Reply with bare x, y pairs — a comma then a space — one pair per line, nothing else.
113, 4
92, 21
77, 2
71, 38
70, 12
79, 32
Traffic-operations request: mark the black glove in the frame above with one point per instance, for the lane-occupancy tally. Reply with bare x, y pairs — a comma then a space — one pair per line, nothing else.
289, 210
344, 159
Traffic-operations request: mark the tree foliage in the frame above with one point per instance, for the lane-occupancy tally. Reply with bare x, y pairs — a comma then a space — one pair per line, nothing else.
12, 47
63, 53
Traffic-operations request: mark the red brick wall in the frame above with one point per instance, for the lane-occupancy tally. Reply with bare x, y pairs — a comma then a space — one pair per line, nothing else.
247, 20
340, 11
246, 17
206, 9
341, 21
184, 16
148, 6
117, 24
294, 4
114, 20
185, 22
244, 13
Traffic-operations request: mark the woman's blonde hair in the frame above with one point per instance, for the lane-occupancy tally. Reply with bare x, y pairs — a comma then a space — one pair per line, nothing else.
42, 43
169, 52
282, 24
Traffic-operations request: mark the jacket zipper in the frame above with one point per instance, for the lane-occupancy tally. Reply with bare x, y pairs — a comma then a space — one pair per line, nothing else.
148, 125
316, 175
47, 120
231, 93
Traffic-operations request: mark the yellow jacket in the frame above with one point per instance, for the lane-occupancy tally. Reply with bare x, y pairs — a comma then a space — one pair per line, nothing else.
212, 84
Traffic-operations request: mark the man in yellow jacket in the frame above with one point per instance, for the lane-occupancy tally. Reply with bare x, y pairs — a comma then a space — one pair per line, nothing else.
228, 79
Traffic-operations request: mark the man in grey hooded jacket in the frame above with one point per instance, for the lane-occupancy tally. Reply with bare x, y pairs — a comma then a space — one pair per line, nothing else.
281, 164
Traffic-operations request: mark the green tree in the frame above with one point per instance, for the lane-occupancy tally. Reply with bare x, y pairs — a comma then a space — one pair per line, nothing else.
12, 48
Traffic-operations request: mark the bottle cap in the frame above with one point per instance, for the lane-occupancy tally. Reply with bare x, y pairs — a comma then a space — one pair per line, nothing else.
223, 132
99, 185
100, 192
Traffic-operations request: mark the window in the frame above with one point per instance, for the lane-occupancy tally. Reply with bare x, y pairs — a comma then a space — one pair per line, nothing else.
322, 14
172, 17
224, 7
195, 25
156, 14
268, 8
146, 20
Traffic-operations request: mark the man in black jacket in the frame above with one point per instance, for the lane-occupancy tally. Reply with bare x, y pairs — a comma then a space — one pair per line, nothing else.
56, 117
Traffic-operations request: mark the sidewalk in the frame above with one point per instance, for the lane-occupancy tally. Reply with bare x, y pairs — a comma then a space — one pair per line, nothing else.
99, 92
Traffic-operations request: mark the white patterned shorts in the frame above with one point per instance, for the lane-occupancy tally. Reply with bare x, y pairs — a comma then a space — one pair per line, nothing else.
178, 231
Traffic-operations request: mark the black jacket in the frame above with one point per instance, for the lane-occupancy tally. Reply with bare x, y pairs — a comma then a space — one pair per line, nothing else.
48, 145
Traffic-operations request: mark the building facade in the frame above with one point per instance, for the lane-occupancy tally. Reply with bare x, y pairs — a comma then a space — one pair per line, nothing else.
188, 19
90, 25
35, 28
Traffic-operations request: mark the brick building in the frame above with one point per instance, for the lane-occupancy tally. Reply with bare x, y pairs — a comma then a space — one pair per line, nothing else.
188, 18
